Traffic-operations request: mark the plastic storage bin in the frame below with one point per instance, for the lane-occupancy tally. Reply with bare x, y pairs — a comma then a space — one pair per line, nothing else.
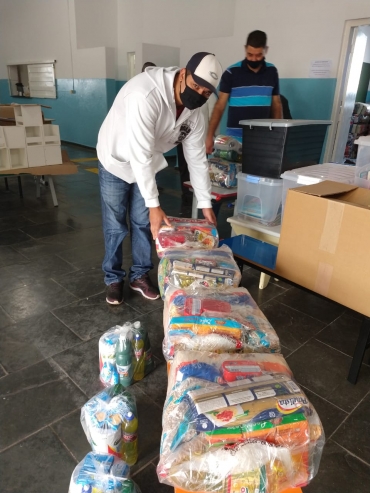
310, 175
259, 198
362, 178
271, 147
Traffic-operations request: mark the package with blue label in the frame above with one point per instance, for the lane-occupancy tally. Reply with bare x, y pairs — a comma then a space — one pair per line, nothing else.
223, 173
206, 319
211, 268
185, 234
234, 421
102, 473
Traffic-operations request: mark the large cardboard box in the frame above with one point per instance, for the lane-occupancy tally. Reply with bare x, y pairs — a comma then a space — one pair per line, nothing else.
325, 242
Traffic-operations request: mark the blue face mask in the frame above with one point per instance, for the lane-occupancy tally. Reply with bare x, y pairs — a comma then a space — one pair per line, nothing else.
191, 99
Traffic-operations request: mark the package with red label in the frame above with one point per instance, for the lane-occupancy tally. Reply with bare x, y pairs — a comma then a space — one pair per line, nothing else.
206, 319
214, 268
186, 233
234, 421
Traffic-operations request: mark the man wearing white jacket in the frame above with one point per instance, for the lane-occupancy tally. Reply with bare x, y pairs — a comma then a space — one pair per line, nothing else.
153, 112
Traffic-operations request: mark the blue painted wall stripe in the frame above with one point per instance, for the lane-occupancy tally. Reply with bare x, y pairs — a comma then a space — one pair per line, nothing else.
250, 101
251, 91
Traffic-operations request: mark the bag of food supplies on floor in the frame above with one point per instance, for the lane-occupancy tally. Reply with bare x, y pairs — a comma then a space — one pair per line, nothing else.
186, 233
102, 473
206, 319
237, 422
223, 173
212, 268
125, 354
110, 423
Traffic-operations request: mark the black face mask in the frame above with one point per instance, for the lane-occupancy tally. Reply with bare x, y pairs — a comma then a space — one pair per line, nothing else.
191, 99
255, 63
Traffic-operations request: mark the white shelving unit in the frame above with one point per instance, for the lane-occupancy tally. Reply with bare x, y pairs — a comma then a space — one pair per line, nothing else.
15, 137
18, 158
34, 135
4, 158
36, 156
53, 155
51, 135
28, 115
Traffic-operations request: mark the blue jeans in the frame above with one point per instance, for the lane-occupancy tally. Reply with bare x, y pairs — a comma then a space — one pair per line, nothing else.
117, 198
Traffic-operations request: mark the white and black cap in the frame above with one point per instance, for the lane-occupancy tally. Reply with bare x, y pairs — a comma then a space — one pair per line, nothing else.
205, 69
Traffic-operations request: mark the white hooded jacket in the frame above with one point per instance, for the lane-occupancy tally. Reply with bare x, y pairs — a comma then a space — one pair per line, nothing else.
141, 125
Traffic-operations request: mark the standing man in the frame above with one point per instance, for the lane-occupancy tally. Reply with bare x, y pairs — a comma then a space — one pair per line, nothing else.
251, 87
151, 114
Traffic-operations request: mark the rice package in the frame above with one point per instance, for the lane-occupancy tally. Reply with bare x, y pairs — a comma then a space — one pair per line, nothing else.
237, 422
185, 234
205, 319
102, 473
223, 173
211, 268
103, 421
135, 359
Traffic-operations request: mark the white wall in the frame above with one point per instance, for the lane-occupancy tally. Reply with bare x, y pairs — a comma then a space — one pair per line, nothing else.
96, 23
162, 56
366, 30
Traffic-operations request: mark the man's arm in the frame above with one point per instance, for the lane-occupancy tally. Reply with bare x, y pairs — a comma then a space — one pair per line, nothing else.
276, 108
217, 113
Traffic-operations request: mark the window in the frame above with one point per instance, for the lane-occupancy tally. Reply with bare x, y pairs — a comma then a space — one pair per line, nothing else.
32, 80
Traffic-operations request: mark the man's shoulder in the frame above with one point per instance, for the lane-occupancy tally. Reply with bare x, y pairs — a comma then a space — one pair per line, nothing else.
271, 67
234, 66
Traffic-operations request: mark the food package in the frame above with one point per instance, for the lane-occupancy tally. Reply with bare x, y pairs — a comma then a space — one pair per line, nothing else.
102, 473
223, 173
237, 422
205, 319
186, 233
211, 268
227, 143
140, 363
103, 420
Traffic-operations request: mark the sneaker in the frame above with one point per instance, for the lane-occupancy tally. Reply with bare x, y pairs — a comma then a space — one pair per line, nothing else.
115, 293
144, 286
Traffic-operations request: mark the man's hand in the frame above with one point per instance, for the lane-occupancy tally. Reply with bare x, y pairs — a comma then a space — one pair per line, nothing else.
156, 217
210, 216
209, 144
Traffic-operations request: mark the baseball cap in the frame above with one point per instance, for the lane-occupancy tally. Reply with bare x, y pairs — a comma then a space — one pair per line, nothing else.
205, 69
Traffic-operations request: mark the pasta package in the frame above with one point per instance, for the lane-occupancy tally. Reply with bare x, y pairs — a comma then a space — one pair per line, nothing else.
214, 268
197, 318
234, 421
186, 234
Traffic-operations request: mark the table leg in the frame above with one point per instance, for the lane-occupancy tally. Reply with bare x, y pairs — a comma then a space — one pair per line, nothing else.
194, 208
20, 187
38, 187
6, 184
363, 343
264, 280
52, 190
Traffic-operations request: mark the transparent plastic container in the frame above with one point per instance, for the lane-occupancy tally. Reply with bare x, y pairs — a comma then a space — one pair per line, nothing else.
259, 198
310, 175
362, 178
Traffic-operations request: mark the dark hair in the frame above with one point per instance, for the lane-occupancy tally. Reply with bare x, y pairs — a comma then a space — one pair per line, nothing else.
148, 64
257, 39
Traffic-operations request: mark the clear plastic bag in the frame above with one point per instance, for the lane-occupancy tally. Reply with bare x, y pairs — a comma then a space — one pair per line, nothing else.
102, 473
211, 268
141, 362
104, 421
186, 233
227, 143
237, 421
204, 319
223, 173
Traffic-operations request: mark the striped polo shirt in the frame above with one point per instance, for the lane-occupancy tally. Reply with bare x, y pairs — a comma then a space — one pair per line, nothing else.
250, 93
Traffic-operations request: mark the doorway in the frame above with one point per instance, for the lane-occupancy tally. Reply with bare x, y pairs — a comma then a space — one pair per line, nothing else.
355, 49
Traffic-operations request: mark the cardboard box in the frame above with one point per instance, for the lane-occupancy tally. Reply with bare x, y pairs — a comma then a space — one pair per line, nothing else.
66, 168
324, 242
7, 116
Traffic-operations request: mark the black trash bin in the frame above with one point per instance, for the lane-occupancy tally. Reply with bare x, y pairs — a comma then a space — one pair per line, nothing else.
271, 147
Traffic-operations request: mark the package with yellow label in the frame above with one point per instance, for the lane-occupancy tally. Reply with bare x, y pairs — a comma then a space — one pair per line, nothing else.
235, 421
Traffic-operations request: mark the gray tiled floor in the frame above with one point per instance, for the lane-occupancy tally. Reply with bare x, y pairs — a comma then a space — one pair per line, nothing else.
53, 311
